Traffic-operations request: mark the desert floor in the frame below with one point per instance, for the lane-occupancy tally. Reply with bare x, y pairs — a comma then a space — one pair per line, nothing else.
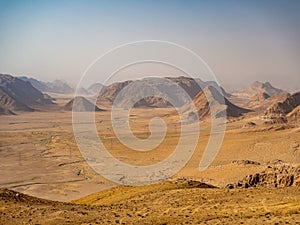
39, 157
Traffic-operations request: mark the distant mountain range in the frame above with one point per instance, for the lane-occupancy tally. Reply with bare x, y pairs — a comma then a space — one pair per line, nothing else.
259, 87
25, 94
254, 94
61, 87
57, 86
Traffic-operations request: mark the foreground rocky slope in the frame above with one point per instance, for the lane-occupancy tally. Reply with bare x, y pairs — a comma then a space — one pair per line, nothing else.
180, 202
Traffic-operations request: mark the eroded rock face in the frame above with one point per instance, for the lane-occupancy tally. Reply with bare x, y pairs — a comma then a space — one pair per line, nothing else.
277, 174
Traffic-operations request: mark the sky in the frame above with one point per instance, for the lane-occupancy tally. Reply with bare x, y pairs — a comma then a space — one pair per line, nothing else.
241, 41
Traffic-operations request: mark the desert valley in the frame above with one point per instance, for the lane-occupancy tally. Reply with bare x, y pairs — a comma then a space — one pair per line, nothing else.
254, 179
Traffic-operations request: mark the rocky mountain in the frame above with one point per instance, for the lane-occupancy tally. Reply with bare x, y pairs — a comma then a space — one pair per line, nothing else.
40, 85
256, 100
261, 101
57, 86
109, 93
81, 104
211, 97
259, 97
94, 88
284, 107
152, 86
8, 104
60, 86
254, 94
18, 95
259, 87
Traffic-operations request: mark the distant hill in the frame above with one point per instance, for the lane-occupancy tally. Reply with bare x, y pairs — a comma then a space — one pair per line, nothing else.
202, 104
109, 93
254, 94
81, 104
19, 95
284, 107
60, 86
259, 87
8, 104
150, 86
257, 100
259, 97
260, 104
57, 86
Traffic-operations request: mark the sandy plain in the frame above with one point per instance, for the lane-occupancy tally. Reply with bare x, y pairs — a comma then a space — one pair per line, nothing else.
39, 157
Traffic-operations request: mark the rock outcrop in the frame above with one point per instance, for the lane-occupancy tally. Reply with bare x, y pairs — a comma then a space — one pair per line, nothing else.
277, 174
245, 162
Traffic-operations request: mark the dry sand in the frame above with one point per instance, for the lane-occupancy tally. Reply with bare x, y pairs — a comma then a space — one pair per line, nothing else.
39, 157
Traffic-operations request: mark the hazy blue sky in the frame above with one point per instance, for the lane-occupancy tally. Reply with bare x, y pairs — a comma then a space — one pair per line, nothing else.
241, 41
